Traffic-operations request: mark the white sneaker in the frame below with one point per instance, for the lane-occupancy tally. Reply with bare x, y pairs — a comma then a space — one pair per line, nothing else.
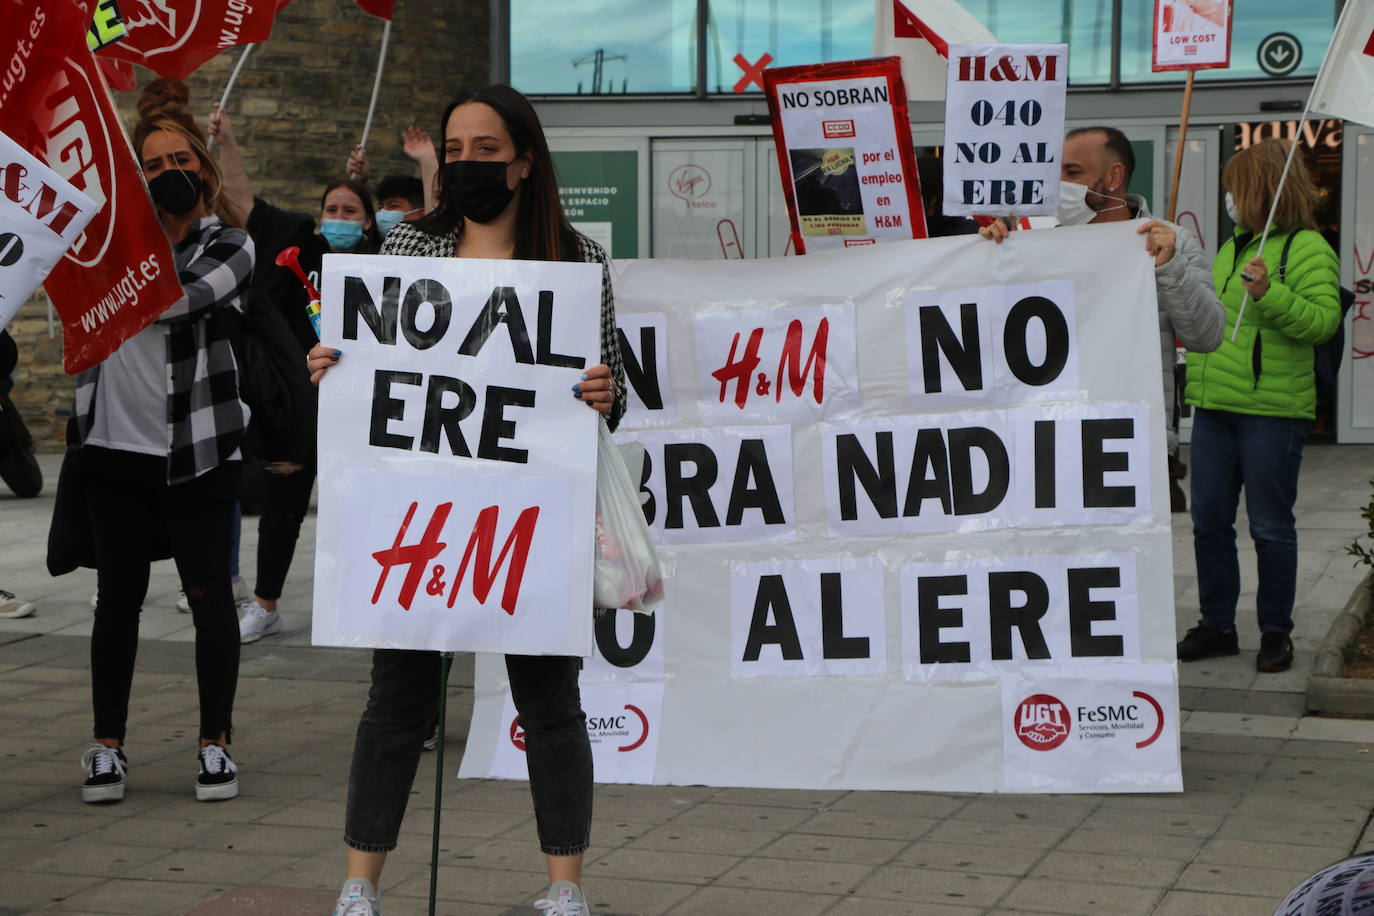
564, 899
95, 599
257, 622
358, 898
237, 584
10, 606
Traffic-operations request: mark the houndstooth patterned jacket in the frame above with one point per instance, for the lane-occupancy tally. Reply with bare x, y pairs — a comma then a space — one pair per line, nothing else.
408, 240
205, 417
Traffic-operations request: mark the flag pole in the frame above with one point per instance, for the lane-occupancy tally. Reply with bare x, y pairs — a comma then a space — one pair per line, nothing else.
1288, 163
376, 82
229, 87
1182, 145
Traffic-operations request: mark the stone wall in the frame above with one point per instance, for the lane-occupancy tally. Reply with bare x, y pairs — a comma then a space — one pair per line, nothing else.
298, 107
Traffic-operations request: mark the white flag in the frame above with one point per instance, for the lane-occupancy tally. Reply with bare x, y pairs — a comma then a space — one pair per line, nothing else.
920, 33
1345, 86
41, 215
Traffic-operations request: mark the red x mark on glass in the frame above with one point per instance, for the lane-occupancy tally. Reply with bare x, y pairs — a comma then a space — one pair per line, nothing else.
1369, 45
753, 73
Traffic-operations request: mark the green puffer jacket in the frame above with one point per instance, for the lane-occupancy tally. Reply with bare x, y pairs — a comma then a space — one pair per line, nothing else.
1267, 369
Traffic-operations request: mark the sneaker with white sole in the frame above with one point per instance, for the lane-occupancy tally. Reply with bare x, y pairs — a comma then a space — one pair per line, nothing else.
238, 586
257, 622
218, 779
358, 898
563, 899
10, 606
107, 774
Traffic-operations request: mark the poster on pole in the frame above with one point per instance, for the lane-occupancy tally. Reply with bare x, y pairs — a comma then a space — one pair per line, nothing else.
1004, 129
41, 216
845, 157
457, 471
1191, 35
966, 531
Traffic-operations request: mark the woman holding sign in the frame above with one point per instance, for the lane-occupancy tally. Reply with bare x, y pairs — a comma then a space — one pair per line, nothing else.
1256, 397
498, 199
160, 422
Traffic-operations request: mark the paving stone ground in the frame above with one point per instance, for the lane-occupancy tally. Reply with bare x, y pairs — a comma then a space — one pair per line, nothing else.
1270, 795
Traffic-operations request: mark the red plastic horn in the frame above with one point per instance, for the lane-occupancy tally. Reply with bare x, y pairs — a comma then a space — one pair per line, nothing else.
290, 257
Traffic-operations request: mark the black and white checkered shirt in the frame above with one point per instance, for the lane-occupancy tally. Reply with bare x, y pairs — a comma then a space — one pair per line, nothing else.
408, 240
205, 417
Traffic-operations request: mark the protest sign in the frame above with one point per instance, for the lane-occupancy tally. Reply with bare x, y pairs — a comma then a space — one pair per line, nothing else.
922, 41
457, 471
1191, 35
40, 217
119, 275
968, 554
1004, 129
844, 153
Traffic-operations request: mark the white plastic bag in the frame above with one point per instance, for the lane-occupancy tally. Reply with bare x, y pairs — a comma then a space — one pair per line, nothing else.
627, 569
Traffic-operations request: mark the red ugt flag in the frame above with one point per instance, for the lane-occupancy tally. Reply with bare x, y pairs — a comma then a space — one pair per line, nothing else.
383, 9
118, 275
174, 37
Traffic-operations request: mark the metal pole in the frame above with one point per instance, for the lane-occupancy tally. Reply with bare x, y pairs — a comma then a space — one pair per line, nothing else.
703, 12
1116, 44
229, 87
445, 664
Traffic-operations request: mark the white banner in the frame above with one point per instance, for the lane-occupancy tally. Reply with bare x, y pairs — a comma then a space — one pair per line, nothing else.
1004, 129
1192, 35
41, 216
900, 579
457, 471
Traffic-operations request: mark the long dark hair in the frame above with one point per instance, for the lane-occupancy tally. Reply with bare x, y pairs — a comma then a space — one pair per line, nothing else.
542, 231
372, 238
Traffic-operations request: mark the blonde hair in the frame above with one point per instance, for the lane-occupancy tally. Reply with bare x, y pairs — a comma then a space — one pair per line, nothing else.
163, 106
1252, 175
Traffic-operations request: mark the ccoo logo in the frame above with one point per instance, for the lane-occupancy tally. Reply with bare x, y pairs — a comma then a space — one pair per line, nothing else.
1041, 722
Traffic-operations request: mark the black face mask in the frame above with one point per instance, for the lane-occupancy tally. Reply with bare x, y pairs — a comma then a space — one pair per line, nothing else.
176, 191
477, 190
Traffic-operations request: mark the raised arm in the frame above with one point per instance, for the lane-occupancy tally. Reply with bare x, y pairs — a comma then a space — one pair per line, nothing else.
217, 278
236, 185
419, 147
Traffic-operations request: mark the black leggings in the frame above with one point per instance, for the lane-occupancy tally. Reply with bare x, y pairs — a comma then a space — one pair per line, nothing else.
132, 508
285, 502
401, 709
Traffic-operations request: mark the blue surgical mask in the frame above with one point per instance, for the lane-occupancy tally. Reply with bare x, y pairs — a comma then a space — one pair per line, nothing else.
341, 234
387, 220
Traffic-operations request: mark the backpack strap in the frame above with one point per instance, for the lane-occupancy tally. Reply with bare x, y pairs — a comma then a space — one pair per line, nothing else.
1283, 258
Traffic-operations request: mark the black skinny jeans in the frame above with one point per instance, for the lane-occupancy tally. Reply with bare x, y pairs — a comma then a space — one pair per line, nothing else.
401, 708
131, 507
285, 501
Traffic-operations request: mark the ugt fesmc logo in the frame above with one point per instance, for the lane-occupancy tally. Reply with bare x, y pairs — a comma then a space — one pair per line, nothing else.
631, 726
1043, 723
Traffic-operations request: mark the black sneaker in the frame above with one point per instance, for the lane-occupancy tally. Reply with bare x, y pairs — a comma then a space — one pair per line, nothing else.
107, 772
218, 778
1275, 654
1204, 642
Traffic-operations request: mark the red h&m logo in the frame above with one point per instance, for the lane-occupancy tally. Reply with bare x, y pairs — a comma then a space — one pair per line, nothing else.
480, 544
837, 130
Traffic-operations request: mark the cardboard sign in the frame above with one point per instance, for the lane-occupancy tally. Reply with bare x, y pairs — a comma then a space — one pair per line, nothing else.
844, 153
41, 216
118, 275
1191, 35
457, 471
1004, 129
983, 523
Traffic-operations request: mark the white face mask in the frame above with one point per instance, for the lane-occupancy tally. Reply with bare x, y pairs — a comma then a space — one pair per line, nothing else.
1231, 210
1073, 204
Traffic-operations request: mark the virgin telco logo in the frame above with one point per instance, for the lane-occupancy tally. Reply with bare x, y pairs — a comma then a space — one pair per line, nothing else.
1043, 722
84, 160
631, 726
